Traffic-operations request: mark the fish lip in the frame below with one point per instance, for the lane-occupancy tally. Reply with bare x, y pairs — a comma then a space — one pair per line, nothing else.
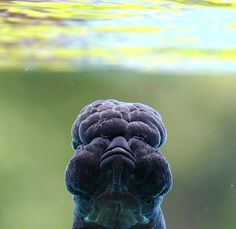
124, 147
118, 151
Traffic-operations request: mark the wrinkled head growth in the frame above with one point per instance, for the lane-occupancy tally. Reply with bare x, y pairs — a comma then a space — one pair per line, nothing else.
111, 118
118, 175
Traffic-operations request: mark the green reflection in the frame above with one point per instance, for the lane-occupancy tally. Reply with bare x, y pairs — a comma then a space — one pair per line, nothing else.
38, 109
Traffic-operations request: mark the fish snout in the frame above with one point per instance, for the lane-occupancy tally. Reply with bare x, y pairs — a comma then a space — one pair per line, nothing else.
118, 154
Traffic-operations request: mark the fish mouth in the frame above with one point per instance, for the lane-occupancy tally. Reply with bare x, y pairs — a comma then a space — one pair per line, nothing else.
118, 154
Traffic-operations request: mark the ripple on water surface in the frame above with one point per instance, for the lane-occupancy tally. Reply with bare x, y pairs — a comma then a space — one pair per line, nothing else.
171, 36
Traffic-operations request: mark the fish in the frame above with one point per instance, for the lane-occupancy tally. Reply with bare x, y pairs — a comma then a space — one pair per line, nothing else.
118, 176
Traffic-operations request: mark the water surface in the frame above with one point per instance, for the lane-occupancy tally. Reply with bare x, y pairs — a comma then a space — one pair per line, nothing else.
171, 36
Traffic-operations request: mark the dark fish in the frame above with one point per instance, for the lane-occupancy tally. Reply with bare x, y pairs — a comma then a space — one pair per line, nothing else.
118, 175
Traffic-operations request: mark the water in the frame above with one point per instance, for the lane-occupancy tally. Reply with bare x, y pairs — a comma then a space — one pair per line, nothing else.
37, 108
173, 36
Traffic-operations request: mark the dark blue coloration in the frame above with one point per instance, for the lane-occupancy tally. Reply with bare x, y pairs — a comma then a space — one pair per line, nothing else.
118, 175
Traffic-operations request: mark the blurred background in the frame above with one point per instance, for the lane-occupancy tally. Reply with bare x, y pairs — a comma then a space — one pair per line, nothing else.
177, 56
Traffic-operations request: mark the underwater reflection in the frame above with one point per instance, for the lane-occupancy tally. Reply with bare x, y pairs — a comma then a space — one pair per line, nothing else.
173, 36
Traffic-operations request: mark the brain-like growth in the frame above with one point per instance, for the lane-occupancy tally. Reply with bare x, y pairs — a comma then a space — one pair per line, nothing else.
118, 175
